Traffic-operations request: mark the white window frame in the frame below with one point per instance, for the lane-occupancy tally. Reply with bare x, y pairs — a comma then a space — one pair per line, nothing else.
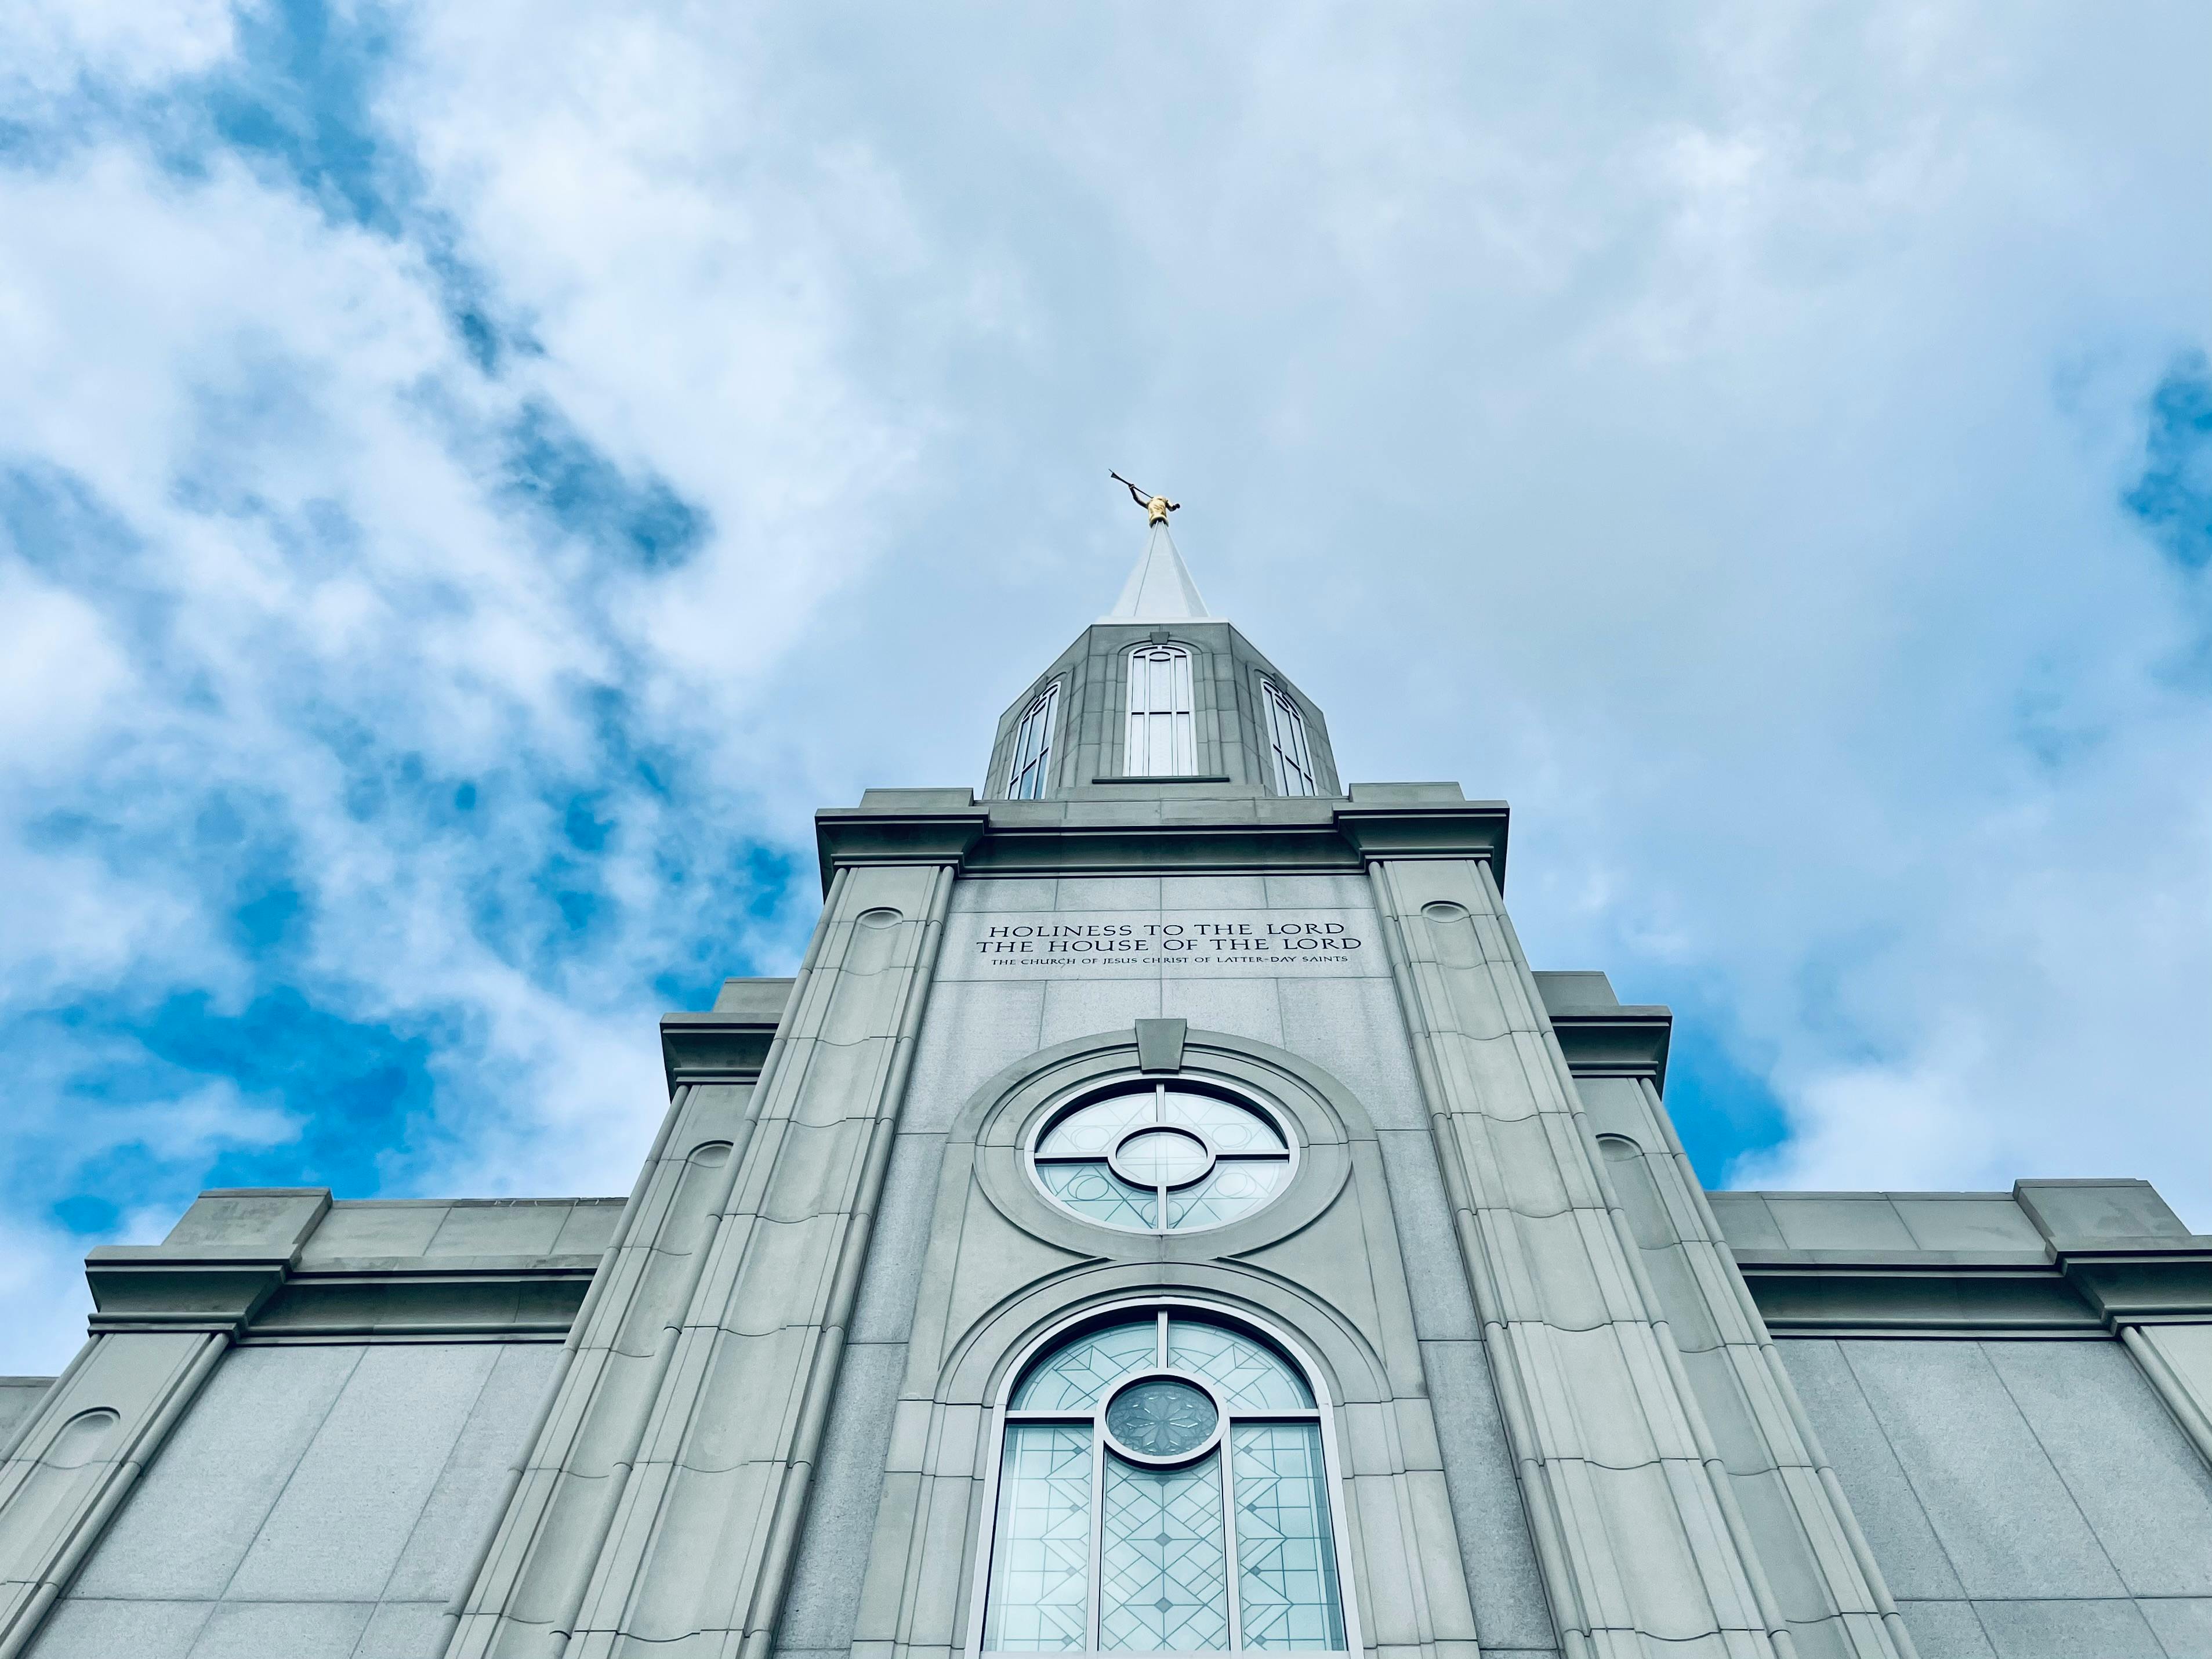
1066, 1330
1160, 741
1292, 756
1028, 771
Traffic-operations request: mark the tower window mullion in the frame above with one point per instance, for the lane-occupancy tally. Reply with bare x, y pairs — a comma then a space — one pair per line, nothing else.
1162, 735
1027, 774
1287, 739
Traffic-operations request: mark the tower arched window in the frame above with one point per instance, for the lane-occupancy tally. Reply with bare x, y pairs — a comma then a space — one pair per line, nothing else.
1287, 738
1163, 1487
1026, 775
1163, 740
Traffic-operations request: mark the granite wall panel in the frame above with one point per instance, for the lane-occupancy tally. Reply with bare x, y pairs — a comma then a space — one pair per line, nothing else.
2025, 1499
316, 1500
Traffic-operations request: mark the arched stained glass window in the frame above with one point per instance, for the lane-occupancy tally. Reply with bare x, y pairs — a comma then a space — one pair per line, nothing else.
1163, 740
1287, 738
1026, 775
1163, 1488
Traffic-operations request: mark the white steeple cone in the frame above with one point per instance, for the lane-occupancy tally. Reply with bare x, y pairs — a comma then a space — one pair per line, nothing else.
1160, 588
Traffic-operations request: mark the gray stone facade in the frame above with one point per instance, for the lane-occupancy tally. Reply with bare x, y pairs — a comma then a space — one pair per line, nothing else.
1568, 1402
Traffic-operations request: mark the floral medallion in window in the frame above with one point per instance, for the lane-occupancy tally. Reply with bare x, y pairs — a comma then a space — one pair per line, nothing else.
1165, 1487
1164, 1158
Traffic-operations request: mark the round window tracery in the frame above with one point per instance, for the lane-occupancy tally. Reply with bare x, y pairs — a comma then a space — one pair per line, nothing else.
1163, 1158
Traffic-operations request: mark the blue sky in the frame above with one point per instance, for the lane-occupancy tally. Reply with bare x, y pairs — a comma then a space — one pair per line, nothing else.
472, 479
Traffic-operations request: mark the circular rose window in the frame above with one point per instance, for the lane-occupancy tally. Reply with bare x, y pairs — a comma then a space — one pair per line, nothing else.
1163, 1158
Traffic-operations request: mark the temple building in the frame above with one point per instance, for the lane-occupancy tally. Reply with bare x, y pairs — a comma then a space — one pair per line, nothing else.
1165, 1213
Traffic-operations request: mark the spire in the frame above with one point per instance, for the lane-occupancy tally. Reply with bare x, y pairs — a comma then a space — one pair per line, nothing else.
1160, 588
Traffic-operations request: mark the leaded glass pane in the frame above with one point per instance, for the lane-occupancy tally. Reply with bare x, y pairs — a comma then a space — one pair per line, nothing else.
1163, 1158
1231, 1189
1155, 685
1033, 748
1094, 1190
1076, 1378
1251, 1378
1164, 1580
1162, 738
1230, 1127
1072, 1160
1287, 734
1091, 1131
1286, 1587
1040, 1551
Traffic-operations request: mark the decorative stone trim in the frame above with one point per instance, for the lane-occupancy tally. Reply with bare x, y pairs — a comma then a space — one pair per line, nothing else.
2085, 1293
715, 1048
1178, 834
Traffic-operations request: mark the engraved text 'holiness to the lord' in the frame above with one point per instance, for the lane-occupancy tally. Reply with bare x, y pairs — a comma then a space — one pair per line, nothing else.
1021, 944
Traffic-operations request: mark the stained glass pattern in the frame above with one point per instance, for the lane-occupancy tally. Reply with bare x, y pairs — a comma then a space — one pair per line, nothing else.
1094, 1190
1190, 1160
1228, 1191
1076, 1378
1251, 1377
1040, 1565
1285, 1558
1091, 1131
1096, 1549
1163, 1578
1161, 1416
1232, 1128
1163, 1156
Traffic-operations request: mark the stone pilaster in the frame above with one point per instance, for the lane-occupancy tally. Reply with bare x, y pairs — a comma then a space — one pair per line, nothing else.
657, 1511
1816, 1563
1643, 1549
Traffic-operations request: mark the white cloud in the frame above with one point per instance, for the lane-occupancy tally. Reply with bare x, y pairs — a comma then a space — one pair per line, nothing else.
1707, 432
114, 43
59, 667
42, 1287
288, 531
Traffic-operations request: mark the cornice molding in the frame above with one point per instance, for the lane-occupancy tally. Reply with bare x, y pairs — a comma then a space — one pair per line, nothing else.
483, 1298
2079, 1292
1455, 829
253, 1298
714, 1048
895, 834
258, 1289
2148, 1283
1175, 833
153, 1288
1623, 1042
